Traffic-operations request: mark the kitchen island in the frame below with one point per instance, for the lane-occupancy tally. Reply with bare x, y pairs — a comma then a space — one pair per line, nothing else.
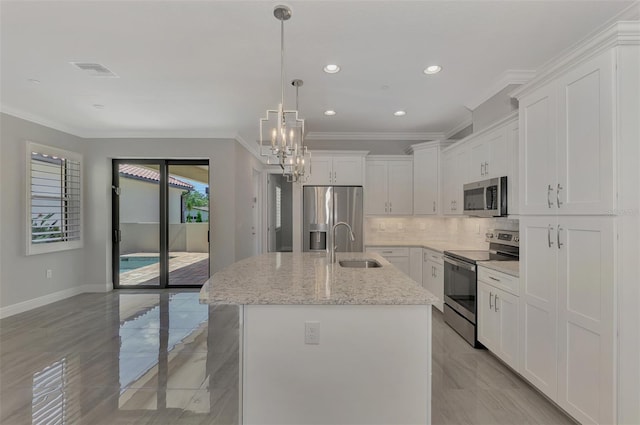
322, 343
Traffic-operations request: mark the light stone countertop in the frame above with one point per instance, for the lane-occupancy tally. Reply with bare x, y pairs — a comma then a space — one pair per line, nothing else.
511, 268
285, 278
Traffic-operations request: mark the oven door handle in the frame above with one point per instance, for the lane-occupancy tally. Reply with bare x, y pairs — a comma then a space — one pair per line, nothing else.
460, 264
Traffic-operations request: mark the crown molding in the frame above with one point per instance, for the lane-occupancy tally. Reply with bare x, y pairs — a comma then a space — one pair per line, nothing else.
252, 148
510, 76
461, 126
36, 119
374, 136
338, 152
512, 117
618, 33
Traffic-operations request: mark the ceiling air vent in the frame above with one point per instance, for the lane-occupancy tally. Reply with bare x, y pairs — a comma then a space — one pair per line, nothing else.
94, 69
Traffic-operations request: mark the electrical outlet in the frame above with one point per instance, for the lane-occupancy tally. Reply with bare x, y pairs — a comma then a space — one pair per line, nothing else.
312, 333
382, 227
49, 273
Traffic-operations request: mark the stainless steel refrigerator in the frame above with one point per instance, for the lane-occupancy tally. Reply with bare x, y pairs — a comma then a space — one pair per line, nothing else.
325, 206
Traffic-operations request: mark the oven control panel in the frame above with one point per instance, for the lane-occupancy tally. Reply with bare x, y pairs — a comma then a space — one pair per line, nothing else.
506, 237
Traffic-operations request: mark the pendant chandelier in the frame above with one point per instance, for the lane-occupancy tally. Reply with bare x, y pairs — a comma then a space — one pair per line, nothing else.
281, 131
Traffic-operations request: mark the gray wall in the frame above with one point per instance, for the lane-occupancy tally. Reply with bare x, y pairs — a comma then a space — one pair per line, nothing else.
498, 106
23, 277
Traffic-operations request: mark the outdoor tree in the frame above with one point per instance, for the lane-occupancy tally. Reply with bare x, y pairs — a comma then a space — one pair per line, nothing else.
193, 199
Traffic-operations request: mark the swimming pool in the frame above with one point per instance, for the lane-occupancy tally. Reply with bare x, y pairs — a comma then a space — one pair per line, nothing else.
132, 263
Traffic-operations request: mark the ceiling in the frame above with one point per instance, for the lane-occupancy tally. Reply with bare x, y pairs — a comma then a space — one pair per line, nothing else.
212, 68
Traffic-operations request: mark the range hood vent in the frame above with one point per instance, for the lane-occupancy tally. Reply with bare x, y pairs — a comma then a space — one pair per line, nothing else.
94, 69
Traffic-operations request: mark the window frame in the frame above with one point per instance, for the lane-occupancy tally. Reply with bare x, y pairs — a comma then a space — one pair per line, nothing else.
42, 248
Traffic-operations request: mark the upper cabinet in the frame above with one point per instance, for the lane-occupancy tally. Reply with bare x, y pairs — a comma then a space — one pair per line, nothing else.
567, 142
339, 170
489, 156
426, 177
389, 185
455, 168
489, 153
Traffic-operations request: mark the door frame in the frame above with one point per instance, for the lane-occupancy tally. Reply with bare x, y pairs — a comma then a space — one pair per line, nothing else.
163, 188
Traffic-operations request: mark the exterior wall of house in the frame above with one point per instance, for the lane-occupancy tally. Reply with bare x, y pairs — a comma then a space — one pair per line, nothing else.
139, 202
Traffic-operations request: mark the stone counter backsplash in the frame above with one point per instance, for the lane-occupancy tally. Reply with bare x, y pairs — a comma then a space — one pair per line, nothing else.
468, 231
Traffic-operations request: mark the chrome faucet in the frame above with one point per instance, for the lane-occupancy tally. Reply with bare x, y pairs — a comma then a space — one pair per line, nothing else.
334, 246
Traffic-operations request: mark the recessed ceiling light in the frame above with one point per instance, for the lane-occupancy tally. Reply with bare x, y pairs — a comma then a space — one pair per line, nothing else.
399, 113
433, 69
330, 112
331, 68
98, 106
33, 81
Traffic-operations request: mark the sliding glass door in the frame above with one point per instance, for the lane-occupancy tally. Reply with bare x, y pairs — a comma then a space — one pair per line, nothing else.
160, 223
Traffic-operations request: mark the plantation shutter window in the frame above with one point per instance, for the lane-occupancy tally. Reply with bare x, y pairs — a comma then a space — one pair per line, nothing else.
55, 213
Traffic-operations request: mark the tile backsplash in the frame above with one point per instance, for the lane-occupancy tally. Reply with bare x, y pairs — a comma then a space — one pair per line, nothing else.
468, 231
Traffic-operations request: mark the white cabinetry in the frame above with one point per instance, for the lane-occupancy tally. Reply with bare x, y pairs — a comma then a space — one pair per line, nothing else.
398, 256
498, 314
489, 155
567, 142
567, 312
433, 275
415, 264
455, 164
426, 177
330, 170
389, 186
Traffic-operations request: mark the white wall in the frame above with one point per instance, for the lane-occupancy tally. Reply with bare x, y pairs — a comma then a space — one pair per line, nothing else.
221, 154
23, 278
23, 282
244, 241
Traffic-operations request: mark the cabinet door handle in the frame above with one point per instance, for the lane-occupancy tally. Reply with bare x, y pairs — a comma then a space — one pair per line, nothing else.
559, 188
486, 168
434, 271
390, 205
549, 190
335, 176
549, 229
482, 169
434, 206
495, 304
558, 234
490, 296
493, 278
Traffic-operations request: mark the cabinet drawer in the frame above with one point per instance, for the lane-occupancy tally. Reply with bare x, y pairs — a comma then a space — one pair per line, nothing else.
433, 256
392, 251
499, 280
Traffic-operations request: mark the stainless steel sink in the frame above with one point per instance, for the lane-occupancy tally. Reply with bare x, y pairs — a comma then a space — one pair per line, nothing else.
360, 264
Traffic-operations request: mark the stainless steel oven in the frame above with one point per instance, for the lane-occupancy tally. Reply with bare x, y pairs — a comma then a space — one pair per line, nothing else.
460, 280
486, 198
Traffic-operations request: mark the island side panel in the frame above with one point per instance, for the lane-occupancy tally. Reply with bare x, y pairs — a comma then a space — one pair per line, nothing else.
372, 365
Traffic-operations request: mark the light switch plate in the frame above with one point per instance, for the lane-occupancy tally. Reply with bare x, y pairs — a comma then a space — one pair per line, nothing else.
312, 333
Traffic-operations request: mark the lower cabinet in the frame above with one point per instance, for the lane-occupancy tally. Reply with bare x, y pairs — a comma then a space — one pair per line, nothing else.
567, 312
433, 275
398, 256
498, 322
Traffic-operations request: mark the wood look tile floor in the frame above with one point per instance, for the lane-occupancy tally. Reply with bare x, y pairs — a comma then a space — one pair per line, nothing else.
159, 357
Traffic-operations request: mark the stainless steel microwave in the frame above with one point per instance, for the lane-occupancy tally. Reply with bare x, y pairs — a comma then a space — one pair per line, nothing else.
486, 198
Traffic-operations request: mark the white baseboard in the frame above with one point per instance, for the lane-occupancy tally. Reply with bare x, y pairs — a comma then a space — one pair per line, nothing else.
21, 307
97, 287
